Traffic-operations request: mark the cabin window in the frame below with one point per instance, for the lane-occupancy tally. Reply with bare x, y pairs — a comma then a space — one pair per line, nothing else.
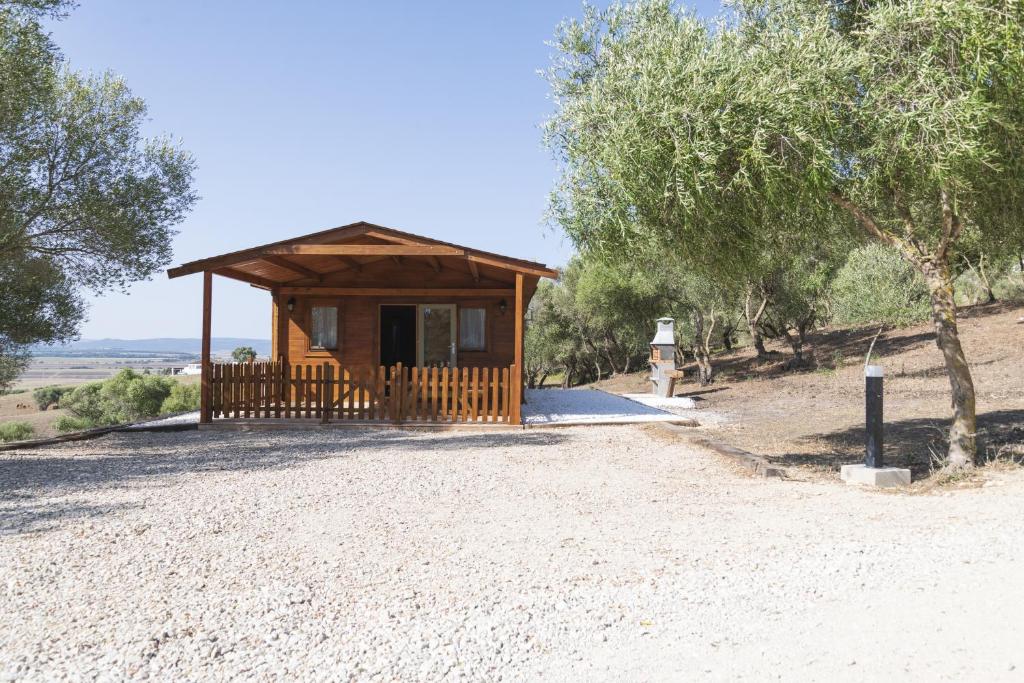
324, 328
472, 323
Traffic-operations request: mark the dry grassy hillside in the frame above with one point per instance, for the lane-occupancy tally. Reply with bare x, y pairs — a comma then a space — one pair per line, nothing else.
815, 417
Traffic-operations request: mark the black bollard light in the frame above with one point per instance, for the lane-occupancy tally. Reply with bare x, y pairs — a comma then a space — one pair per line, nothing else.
873, 377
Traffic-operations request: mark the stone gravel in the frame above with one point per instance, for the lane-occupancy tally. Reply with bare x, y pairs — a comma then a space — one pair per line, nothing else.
585, 553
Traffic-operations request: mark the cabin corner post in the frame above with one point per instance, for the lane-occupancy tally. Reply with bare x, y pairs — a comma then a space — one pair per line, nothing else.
517, 379
205, 414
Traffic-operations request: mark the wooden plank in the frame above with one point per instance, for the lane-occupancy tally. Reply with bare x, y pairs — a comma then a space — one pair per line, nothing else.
438, 401
318, 407
505, 394
537, 271
300, 270
473, 270
474, 394
204, 390
454, 410
327, 398
485, 387
424, 394
242, 276
278, 392
465, 394
396, 291
287, 395
414, 393
366, 250
495, 393
517, 379
371, 385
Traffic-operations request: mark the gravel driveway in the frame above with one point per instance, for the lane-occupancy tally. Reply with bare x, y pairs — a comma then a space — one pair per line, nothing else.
612, 553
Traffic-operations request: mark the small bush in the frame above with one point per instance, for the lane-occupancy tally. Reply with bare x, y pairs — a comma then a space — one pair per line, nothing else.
67, 423
16, 431
876, 285
125, 397
183, 397
49, 396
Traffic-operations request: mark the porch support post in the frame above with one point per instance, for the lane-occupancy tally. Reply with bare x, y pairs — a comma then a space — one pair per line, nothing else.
205, 414
517, 381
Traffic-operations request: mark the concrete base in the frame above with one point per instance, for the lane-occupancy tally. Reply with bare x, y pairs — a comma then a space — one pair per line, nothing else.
875, 476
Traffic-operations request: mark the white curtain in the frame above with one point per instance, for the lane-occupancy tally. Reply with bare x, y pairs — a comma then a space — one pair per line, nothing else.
325, 328
471, 329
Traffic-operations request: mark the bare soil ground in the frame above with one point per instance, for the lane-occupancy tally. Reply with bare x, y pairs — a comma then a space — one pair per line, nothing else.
813, 418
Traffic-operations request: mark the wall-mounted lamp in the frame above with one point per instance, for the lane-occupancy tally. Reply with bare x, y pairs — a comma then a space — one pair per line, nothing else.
502, 306
291, 304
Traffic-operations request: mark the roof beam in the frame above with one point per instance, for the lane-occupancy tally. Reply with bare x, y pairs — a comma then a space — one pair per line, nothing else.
504, 265
254, 280
434, 263
474, 270
367, 250
350, 262
397, 291
302, 271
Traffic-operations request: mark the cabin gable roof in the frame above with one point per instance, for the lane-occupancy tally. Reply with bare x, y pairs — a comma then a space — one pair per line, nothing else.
349, 252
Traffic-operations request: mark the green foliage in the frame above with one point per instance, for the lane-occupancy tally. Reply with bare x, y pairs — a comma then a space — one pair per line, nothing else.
126, 397
85, 200
183, 398
49, 395
69, 423
16, 431
243, 354
877, 285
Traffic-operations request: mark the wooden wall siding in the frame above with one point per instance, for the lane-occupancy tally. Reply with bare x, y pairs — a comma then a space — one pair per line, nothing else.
397, 394
359, 331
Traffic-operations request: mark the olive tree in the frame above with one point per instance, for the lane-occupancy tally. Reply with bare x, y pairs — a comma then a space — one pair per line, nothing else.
85, 200
900, 120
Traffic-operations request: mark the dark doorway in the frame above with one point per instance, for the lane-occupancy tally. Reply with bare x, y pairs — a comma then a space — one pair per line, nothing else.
398, 335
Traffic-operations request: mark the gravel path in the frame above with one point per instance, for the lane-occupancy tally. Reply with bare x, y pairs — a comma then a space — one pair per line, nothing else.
612, 553
593, 406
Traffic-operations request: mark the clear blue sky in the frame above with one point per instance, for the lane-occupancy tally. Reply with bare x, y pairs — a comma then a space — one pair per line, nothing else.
422, 116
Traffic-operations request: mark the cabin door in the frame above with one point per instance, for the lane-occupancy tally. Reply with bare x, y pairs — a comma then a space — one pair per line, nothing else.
437, 335
397, 335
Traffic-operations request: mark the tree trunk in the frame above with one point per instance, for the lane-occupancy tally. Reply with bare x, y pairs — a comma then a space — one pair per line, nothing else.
700, 348
963, 432
753, 318
984, 279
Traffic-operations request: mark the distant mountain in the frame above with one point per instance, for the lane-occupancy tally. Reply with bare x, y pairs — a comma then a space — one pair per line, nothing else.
218, 346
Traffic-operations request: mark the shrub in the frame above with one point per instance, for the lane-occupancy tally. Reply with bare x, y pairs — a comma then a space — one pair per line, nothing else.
49, 396
125, 397
183, 397
67, 423
876, 285
16, 431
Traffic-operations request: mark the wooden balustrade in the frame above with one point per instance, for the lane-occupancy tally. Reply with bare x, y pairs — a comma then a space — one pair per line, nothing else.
364, 394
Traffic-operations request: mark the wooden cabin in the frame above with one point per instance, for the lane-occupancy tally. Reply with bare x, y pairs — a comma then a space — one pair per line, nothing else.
372, 325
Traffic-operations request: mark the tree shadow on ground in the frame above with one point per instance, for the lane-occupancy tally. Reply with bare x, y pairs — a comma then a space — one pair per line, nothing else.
125, 458
914, 444
35, 517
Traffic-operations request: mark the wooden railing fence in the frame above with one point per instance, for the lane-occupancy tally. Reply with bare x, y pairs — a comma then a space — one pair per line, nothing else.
364, 394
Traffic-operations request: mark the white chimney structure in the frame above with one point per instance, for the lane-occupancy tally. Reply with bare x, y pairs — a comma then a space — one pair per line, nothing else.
663, 359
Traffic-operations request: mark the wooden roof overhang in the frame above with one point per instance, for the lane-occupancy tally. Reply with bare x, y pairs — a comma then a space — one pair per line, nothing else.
356, 260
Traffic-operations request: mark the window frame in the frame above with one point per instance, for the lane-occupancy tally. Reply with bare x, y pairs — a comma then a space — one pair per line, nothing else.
486, 332
311, 349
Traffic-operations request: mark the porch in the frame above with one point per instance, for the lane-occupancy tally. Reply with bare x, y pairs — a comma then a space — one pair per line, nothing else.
324, 393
